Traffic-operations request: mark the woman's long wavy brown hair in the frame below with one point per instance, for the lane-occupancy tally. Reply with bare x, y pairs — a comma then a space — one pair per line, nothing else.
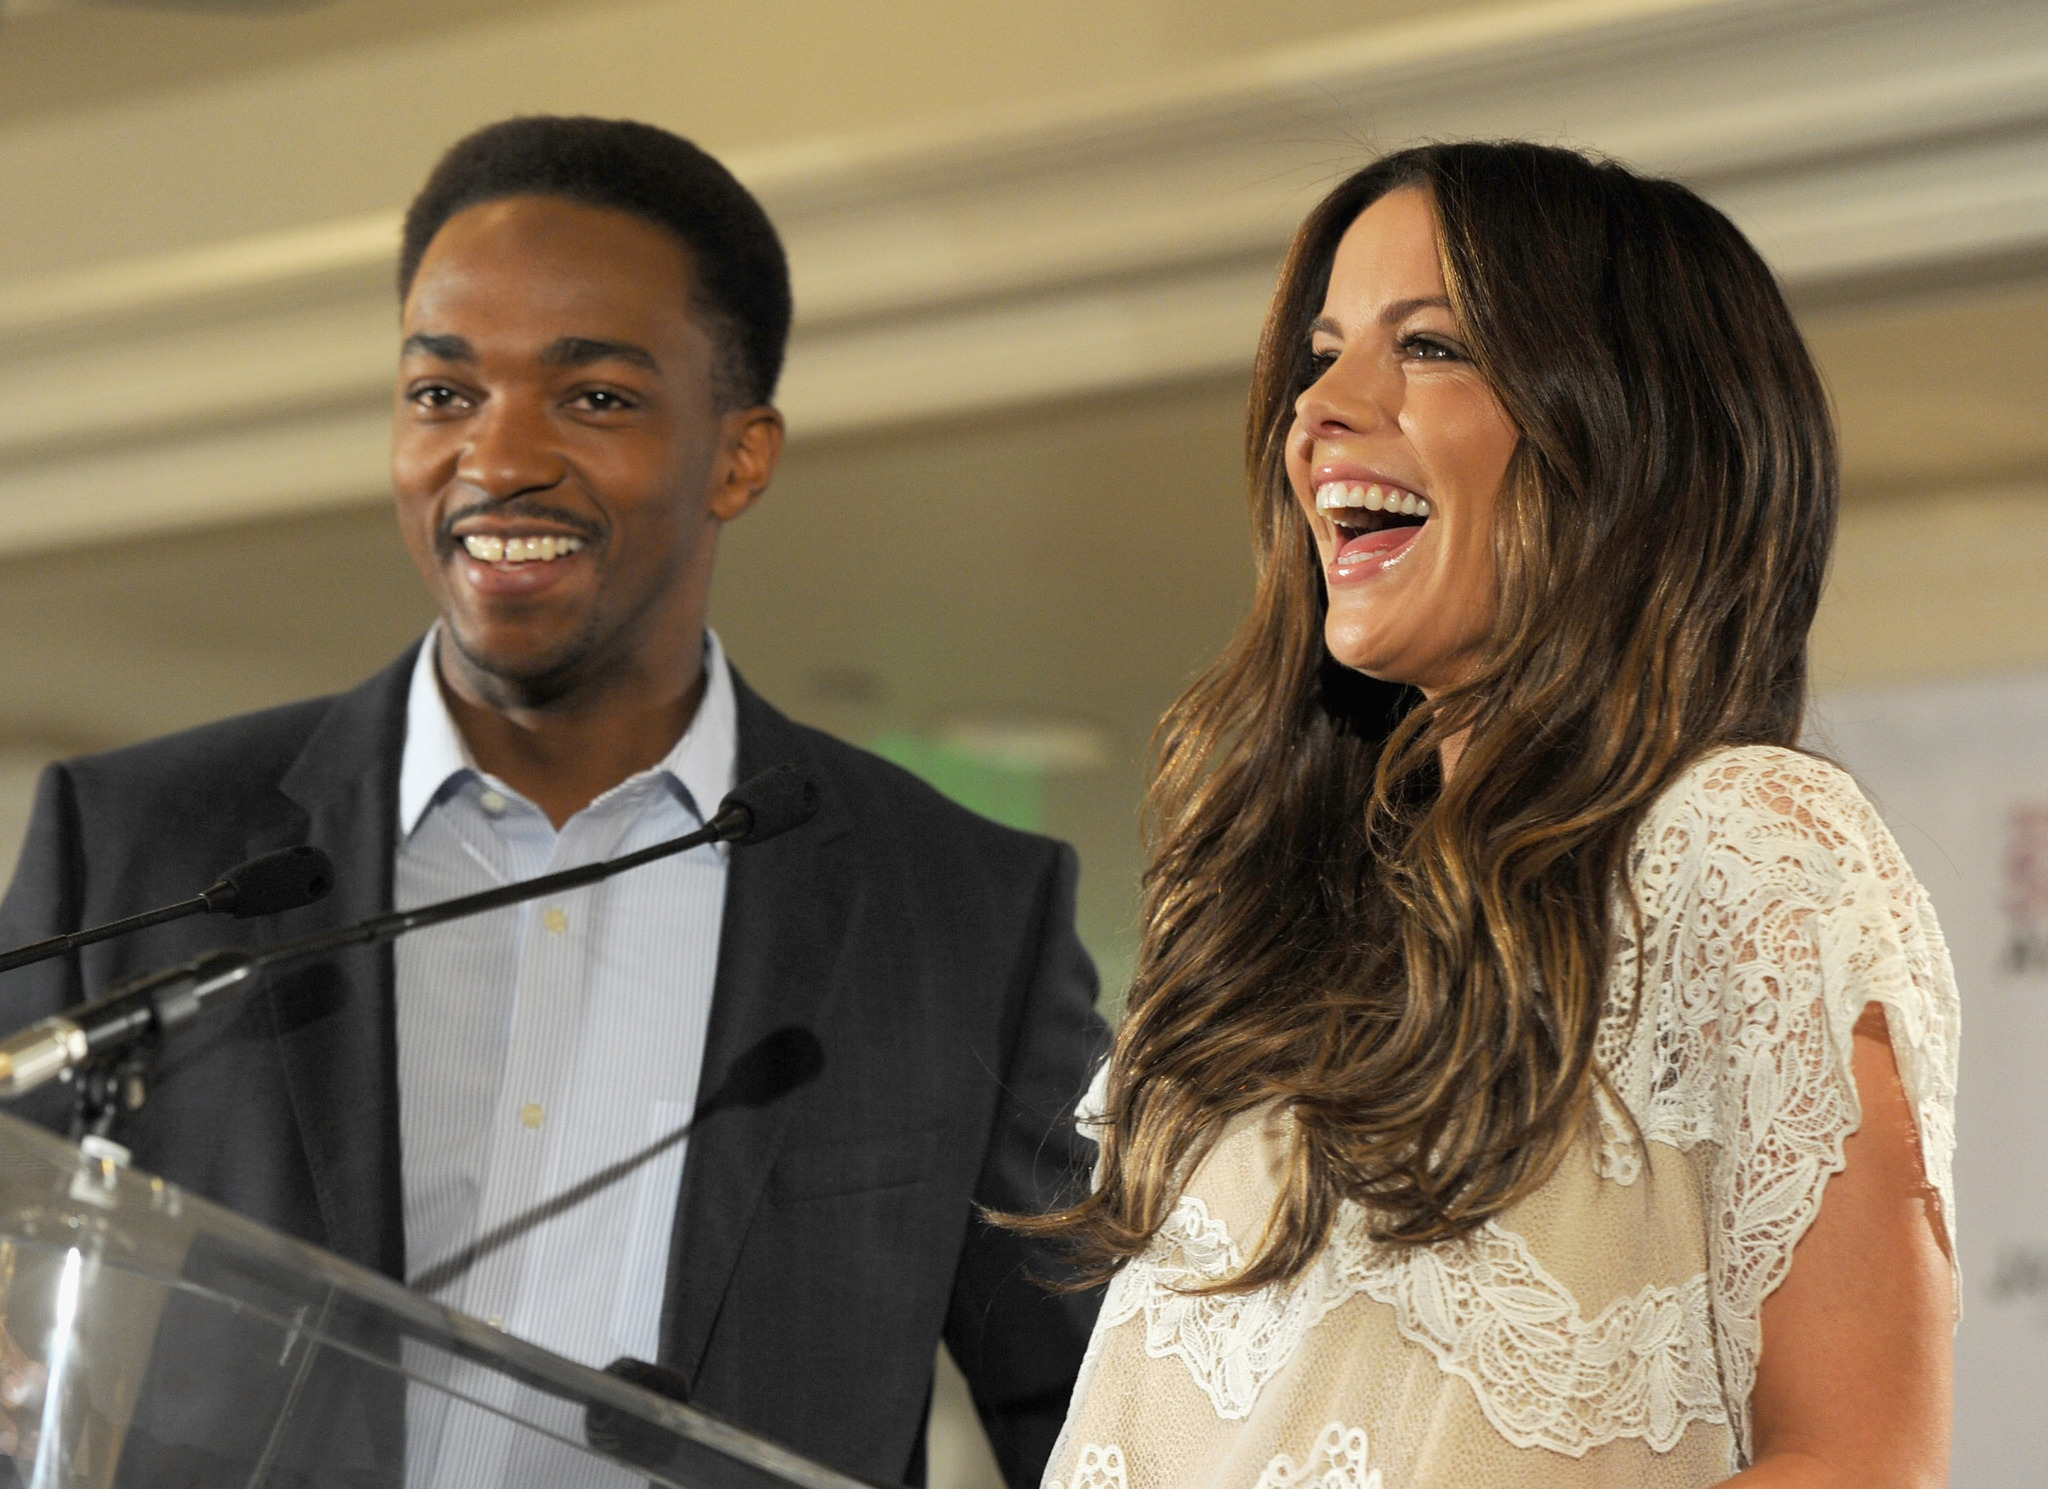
1416, 969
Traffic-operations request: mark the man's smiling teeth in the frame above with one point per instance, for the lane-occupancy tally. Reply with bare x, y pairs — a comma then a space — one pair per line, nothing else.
1338, 495
487, 549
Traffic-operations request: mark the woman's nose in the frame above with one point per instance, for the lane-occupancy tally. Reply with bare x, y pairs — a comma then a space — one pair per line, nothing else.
1349, 398
510, 451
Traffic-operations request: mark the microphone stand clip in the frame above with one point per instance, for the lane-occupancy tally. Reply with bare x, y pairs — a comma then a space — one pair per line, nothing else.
112, 1065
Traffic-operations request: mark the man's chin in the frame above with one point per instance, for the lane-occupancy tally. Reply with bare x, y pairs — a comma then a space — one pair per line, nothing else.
518, 667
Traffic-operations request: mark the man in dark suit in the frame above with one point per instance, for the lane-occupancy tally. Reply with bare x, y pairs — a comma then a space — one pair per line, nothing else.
594, 318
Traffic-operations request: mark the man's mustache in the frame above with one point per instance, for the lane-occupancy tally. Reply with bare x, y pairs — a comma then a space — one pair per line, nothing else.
516, 510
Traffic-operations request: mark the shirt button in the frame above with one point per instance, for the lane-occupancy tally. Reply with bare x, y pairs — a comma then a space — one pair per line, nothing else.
492, 802
496, 1321
532, 1115
557, 921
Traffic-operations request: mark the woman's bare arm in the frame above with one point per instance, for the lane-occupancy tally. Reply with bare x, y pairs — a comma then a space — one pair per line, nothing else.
1855, 1383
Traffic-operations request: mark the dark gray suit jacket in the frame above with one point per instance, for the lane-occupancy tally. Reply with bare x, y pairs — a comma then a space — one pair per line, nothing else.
824, 1242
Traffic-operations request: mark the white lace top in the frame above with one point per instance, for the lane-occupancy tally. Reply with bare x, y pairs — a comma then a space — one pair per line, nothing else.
1605, 1330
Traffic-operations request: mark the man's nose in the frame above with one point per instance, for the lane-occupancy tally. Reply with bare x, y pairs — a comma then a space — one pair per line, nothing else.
511, 450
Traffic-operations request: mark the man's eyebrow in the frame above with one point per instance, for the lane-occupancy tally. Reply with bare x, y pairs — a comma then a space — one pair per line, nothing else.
447, 348
581, 351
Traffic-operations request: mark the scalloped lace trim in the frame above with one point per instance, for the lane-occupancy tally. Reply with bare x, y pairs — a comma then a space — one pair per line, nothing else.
1545, 1376
1339, 1459
1231, 1343
1098, 1466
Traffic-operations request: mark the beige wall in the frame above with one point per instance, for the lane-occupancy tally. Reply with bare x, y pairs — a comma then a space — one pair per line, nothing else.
183, 152
1942, 569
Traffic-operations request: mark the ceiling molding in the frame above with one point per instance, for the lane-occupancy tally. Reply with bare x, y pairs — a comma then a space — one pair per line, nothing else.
1109, 244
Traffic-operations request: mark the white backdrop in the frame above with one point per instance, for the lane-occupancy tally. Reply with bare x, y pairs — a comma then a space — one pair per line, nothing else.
1960, 772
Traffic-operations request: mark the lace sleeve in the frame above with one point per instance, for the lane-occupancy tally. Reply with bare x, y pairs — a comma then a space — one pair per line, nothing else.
1777, 908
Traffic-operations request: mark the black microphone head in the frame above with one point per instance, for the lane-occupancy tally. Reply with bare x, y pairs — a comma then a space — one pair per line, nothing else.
285, 880
663, 1380
770, 804
611, 1429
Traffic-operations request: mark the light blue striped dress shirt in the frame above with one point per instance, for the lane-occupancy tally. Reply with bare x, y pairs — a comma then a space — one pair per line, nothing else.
541, 1044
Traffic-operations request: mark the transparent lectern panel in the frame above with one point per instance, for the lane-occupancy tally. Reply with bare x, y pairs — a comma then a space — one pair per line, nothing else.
151, 1339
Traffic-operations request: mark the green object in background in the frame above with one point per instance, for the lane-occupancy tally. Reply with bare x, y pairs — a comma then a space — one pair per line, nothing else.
1013, 795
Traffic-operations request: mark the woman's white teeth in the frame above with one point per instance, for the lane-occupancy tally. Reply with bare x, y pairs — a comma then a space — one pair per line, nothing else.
486, 548
1336, 496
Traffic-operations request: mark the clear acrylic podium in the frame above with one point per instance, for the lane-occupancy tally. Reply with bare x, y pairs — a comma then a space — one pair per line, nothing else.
153, 1339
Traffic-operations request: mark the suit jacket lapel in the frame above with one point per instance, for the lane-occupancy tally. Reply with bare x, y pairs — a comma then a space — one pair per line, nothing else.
789, 904
336, 1020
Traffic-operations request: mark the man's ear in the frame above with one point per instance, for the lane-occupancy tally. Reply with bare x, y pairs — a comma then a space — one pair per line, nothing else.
751, 444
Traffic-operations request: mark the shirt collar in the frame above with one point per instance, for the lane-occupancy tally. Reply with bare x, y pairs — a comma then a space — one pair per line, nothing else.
702, 762
705, 760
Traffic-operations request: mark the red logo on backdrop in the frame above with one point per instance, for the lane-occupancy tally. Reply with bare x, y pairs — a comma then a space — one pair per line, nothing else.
2026, 889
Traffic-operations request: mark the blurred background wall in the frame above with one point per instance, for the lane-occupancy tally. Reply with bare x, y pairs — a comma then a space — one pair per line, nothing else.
1032, 247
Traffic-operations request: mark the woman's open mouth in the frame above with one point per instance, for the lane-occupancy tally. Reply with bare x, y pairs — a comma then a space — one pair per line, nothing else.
1373, 523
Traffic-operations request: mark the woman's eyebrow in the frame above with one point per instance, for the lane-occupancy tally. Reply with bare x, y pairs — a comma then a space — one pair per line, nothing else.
1400, 310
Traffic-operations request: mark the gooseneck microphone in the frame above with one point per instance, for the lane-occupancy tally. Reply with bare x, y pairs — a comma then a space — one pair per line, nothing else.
288, 879
142, 1008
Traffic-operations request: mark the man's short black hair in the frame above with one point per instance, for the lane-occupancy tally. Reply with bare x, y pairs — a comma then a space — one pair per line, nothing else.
741, 274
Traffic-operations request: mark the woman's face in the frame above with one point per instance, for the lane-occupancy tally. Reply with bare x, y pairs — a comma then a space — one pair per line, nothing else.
1397, 455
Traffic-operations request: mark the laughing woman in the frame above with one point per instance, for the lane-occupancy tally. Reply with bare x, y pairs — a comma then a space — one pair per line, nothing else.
1539, 1072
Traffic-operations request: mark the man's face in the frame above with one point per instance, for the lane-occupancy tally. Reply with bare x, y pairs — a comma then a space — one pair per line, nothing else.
560, 465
